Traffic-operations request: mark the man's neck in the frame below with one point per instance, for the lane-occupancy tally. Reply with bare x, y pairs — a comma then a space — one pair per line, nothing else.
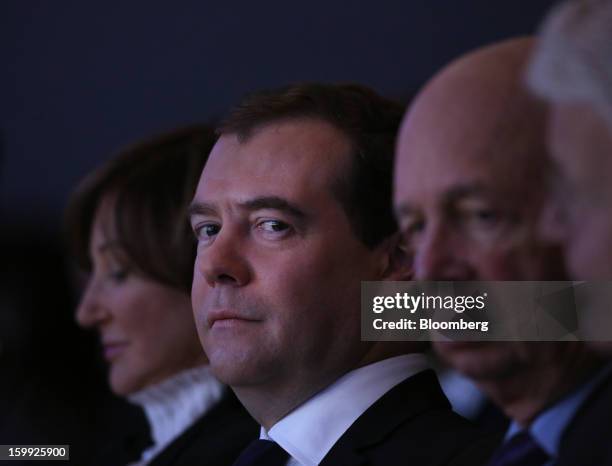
525, 394
269, 404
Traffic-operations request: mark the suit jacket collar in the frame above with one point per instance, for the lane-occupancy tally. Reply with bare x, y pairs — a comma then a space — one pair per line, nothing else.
415, 395
310, 431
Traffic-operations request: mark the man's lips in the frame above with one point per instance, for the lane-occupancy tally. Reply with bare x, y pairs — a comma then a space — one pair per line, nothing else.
113, 348
226, 317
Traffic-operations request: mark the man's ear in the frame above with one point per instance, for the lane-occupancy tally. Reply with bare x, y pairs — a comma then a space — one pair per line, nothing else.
398, 265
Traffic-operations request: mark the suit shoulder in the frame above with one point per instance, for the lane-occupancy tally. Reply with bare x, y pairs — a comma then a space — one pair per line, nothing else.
437, 437
590, 426
411, 424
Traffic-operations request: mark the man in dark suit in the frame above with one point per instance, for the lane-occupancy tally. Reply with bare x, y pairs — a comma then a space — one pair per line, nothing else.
571, 68
292, 212
469, 193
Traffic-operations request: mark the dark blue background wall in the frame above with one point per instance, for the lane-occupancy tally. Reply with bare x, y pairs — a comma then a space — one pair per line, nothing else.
81, 78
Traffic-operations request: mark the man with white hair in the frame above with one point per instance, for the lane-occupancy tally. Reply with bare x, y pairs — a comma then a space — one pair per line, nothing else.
572, 70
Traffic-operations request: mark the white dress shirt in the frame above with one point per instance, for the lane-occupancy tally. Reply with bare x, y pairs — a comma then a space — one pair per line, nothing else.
310, 431
175, 404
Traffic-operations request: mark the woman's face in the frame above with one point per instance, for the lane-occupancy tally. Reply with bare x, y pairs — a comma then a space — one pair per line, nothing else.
146, 328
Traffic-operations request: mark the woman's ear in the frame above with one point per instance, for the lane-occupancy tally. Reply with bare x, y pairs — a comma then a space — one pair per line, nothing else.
399, 260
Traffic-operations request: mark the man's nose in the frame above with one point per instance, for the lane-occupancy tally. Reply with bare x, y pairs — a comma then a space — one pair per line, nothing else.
224, 260
438, 255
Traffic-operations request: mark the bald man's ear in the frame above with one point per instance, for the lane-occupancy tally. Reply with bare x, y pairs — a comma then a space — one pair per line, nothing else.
398, 263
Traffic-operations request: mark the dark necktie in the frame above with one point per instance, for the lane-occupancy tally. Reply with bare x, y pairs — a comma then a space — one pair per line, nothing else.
262, 453
520, 450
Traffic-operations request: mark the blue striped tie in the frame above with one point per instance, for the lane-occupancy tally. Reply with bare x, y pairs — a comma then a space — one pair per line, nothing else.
520, 450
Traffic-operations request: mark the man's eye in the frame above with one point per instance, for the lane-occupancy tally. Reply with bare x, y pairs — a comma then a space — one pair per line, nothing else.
274, 228
483, 221
273, 225
119, 274
412, 227
207, 231
486, 216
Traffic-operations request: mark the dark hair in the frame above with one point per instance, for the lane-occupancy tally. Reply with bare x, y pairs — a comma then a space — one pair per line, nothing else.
152, 184
369, 121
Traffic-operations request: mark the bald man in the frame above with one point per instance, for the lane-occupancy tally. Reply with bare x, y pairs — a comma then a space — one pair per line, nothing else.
469, 188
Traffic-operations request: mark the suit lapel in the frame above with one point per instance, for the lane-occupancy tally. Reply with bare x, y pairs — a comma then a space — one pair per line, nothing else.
403, 402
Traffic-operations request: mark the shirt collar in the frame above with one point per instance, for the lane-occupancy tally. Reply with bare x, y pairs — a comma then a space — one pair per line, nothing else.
309, 432
547, 429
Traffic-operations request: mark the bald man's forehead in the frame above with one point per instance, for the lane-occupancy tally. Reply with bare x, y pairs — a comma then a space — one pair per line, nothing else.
501, 64
478, 96
475, 121
438, 158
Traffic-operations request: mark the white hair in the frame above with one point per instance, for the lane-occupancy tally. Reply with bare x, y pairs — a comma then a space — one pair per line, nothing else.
572, 61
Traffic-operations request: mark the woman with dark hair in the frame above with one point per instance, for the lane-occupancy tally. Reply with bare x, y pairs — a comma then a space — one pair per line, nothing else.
128, 227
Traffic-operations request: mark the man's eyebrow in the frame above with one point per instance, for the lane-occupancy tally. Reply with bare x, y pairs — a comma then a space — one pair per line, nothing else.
454, 194
273, 202
200, 208
468, 190
258, 203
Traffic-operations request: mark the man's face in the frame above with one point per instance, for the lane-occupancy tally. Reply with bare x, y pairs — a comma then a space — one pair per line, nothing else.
276, 291
580, 207
468, 210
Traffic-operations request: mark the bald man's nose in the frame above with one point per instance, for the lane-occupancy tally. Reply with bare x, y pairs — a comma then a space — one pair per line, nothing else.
224, 262
438, 256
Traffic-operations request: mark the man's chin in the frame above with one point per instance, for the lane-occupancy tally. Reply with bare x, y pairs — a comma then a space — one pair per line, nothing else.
477, 360
233, 370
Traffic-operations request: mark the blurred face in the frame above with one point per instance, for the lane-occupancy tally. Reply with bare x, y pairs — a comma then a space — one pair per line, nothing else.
580, 207
468, 210
146, 328
276, 291
469, 214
